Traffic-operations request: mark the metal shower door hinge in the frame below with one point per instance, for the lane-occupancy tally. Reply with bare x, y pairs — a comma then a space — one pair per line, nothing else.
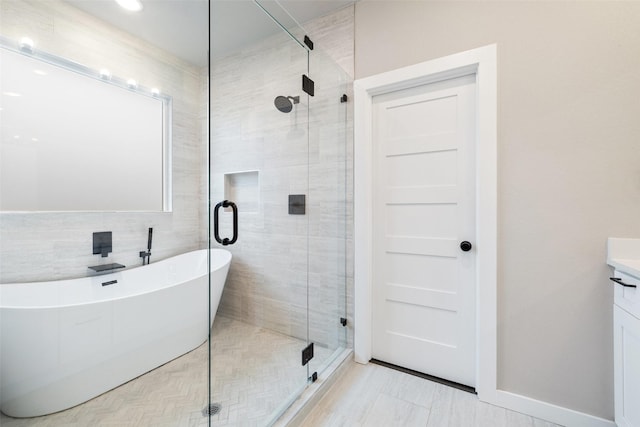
308, 85
308, 42
307, 354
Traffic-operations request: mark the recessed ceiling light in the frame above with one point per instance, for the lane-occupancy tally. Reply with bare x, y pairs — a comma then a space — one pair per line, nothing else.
132, 5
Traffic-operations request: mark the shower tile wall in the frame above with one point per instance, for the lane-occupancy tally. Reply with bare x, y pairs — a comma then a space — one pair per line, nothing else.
268, 277
49, 246
249, 134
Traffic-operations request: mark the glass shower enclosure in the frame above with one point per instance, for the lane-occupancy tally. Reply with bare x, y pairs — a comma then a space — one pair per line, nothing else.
277, 150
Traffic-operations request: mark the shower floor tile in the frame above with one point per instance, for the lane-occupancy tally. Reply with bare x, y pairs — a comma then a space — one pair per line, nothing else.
254, 374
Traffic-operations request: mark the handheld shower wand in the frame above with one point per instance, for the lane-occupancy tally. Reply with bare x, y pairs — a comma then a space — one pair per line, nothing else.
146, 256
149, 245
149, 240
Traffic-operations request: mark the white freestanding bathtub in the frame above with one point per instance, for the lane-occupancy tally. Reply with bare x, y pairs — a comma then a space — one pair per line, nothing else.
65, 342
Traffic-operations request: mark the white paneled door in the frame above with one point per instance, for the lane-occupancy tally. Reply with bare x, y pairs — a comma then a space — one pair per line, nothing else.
424, 291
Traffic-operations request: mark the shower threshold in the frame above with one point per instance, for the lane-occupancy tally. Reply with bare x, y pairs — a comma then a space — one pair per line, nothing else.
294, 413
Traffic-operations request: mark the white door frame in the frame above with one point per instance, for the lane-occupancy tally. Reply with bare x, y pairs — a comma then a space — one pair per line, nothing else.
482, 62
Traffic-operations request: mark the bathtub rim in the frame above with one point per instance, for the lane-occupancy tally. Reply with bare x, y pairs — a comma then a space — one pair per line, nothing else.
7, 288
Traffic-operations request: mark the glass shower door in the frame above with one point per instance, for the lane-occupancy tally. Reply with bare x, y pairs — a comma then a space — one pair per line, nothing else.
259, 160
329, 201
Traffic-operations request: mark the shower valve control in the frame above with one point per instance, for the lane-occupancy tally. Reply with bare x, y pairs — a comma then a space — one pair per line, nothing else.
297, 204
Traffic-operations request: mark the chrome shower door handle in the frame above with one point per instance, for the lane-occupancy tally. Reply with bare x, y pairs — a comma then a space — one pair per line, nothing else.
226, 241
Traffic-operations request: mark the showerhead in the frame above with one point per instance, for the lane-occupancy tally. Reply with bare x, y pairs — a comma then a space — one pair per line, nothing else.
284, 103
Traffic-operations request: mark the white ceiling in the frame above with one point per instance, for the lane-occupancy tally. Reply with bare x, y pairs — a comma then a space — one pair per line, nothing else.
180, 26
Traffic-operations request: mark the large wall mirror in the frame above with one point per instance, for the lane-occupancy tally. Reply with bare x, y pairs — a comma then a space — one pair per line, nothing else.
77, 139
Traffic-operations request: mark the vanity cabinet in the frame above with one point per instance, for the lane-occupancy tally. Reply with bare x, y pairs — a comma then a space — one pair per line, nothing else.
626, 352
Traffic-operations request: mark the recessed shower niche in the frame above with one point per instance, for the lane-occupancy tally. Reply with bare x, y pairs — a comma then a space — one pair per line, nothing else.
243, 188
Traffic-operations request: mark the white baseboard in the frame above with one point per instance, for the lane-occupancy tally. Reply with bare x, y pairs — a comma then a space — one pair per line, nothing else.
547, 411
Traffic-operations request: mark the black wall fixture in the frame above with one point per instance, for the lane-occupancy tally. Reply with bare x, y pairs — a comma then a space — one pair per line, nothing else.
297, 204
102, 243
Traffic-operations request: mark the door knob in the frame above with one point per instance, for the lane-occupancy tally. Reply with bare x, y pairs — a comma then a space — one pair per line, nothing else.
466, 246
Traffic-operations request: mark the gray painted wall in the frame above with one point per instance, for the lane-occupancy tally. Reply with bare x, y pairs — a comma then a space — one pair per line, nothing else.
568, 157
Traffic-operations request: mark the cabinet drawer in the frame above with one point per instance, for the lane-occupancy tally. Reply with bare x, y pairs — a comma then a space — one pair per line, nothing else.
627, 298
626, 353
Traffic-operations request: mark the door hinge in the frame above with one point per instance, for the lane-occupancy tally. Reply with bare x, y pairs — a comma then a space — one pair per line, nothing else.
308, 42
308, 85
344, 98
314, 377
343, 321
307, 354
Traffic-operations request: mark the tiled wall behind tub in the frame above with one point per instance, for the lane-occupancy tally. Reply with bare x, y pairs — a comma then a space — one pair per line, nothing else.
267, 283
49, 246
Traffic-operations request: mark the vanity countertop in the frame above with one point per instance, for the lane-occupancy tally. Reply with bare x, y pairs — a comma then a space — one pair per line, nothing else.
624, 255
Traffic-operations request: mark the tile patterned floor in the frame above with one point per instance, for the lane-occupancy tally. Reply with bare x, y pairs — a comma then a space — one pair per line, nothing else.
246, 363
269, 376
254, 371
372, 395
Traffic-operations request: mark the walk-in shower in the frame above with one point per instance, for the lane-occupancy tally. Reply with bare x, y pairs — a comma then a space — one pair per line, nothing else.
287, 173
280, 185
